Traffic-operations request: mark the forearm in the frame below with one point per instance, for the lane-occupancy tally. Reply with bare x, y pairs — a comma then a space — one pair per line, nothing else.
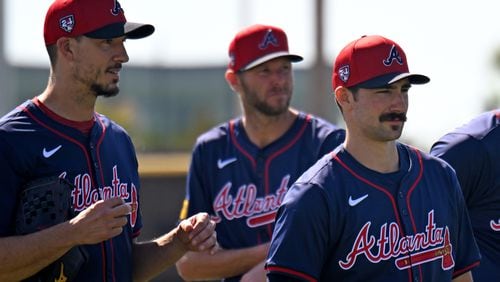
466, 277
152, 257
23, 256
224, 263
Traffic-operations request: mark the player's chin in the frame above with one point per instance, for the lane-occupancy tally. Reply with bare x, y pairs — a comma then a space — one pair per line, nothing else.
110, 90
396, 131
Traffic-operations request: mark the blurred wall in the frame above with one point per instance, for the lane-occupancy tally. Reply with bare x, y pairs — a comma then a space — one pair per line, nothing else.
164, 110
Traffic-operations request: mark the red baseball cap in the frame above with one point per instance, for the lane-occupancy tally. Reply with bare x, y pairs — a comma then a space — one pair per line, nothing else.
92, 18
371, 62
257, 44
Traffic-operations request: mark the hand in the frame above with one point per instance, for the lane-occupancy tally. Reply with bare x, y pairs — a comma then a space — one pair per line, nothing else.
101, 221
197, 233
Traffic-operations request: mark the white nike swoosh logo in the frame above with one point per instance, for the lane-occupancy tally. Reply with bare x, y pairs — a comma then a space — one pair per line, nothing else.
48, 154
222, 163
354, 202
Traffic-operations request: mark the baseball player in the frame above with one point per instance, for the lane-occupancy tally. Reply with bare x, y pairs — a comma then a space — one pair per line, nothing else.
241, 169
59, 135
374, 209
473, 150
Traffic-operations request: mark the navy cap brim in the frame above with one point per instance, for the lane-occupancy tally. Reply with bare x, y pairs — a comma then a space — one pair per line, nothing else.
386, 79
128, 29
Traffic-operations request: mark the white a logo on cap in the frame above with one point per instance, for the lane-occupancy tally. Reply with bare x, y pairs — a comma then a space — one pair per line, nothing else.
344, 73
67, 23
116, 8
393, 55
269, 38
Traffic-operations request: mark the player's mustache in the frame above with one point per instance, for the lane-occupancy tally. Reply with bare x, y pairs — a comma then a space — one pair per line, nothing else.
393, 116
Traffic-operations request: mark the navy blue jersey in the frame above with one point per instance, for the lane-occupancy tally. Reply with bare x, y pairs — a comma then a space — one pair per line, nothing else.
242, 185
344, 222
473, 150
101, 165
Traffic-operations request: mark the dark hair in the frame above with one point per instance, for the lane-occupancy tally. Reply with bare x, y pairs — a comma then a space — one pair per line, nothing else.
52, 51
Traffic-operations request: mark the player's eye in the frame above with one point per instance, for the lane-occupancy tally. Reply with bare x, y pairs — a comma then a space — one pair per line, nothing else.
264, 71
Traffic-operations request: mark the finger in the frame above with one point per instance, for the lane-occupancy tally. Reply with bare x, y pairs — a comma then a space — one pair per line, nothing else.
118, 222
112, 202
122, 210
204, 234
199, 222
215, 248
209, 244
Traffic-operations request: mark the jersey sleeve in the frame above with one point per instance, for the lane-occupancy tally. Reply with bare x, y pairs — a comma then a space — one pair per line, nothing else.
300, 240
467, 252
8, 189
332, 141
470, 161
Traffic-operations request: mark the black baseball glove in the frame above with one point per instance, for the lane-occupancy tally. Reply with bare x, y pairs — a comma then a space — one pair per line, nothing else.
43, 203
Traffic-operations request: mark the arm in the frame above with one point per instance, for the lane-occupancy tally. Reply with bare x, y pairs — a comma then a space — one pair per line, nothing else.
224, 263
256, 274
466, 277
193, 234
23, 256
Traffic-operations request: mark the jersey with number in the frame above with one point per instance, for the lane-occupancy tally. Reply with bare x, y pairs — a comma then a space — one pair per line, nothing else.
242, 185
35, 143
344, 222
473, 150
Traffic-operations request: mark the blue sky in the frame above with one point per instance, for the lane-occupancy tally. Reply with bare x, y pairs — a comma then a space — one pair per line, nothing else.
453, 42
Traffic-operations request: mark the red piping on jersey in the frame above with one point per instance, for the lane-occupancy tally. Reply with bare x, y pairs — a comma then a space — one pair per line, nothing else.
291, 272
233, 138
60, 134
98, 144
380, 188
465, 269
103, 254
24, 109
271, 157
391, 198
112, 258
279, 152
98, 155
410, 191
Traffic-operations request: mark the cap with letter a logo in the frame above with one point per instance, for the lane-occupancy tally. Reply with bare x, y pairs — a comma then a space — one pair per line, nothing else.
370, 62
258, 44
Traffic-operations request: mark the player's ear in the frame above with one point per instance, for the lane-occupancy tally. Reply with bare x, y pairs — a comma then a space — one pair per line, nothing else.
342, 96
232, 79
65, 48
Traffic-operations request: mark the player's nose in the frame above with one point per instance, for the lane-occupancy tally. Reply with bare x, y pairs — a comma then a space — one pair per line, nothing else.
121, 54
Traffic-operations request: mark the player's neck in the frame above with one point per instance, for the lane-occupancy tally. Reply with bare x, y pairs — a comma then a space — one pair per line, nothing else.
263, 130
378, 156
68, 103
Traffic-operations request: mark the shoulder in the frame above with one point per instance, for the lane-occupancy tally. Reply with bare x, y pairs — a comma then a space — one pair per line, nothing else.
110, 125
324, 130
320, 123
478, 132
221, 131
317, 173
17, 117
430, 165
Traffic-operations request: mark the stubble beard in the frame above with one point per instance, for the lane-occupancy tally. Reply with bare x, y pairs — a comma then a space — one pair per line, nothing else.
262, 106
100, 90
